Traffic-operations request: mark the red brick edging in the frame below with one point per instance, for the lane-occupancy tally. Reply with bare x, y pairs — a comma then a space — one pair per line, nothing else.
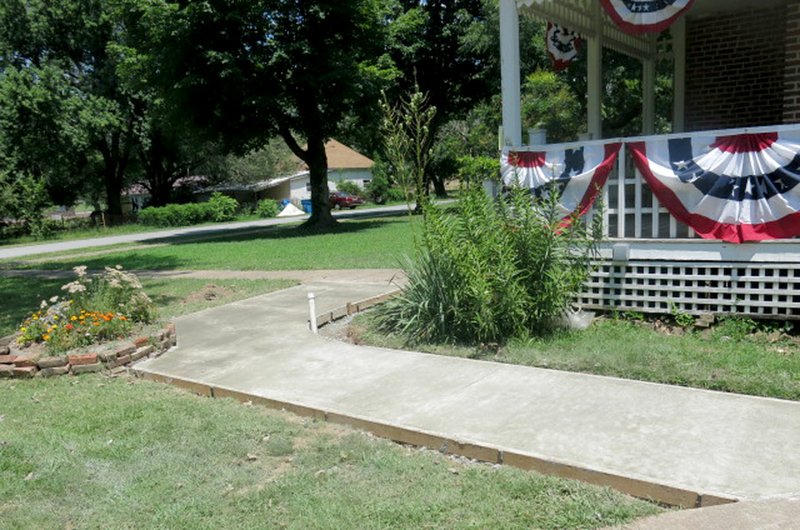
17, 363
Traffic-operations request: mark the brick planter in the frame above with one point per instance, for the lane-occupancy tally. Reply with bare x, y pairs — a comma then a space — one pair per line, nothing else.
19, 364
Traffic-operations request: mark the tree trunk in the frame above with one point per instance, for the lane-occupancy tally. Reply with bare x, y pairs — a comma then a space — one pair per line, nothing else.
317, 161
115, 161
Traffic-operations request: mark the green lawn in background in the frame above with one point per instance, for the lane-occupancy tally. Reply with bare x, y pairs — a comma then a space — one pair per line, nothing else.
95, 452
727, 358
173, 297
354, 244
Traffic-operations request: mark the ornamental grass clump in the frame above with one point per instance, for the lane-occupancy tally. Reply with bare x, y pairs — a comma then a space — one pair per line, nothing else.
92, 310
492, 271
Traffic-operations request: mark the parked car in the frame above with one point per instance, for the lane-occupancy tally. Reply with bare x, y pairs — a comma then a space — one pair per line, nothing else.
340, 199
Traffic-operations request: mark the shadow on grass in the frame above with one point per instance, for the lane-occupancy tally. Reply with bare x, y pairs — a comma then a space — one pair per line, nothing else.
144, 259
20, 297
275, 232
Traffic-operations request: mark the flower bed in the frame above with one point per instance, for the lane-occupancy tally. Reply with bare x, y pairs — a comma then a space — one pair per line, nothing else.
114, 357
86, 329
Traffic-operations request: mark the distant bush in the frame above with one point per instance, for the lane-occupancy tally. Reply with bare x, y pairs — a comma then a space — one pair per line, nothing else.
378, 189
350, 187
396, 194
218, 209
267, 208
222, 207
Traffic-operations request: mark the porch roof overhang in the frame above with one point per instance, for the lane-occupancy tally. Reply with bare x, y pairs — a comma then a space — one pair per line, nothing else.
589, 19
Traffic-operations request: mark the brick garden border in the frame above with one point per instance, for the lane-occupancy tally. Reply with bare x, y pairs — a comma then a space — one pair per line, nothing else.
19, 364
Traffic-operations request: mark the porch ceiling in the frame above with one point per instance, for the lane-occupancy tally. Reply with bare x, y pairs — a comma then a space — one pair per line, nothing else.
584, 16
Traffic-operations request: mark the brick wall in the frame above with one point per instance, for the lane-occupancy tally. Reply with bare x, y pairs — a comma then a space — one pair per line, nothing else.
735, 69
791, 85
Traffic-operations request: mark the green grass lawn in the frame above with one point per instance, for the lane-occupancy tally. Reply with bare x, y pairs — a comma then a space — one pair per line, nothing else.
95, 452
368, 243
173, 297
726, 358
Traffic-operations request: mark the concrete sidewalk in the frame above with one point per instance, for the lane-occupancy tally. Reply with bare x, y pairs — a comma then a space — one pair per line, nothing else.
676, 445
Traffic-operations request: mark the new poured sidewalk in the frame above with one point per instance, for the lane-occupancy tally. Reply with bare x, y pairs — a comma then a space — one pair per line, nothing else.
676, 445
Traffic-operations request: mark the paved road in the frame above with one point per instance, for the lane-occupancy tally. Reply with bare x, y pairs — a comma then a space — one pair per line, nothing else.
678, 445
30, 250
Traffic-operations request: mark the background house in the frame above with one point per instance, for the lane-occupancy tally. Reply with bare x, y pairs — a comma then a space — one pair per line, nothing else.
344, 164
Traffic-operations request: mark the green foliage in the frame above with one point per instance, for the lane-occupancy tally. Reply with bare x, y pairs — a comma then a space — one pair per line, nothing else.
377, 189
267, 208
473, 170
93, 310
406, 129
396, 194
491, 272
25, 200
348, 186
222, 208
219, 208
271, 160
736, 328
549, 103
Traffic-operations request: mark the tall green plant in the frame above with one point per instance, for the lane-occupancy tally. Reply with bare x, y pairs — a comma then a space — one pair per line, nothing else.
406, 128
492, 271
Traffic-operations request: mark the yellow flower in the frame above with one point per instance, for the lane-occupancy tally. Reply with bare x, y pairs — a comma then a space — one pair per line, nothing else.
23, 329
46, 337
73, 318
35, 317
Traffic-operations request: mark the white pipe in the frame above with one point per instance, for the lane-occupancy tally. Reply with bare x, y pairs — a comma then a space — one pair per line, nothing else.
312, 312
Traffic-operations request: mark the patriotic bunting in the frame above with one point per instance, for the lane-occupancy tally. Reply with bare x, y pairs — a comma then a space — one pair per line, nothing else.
642, 16
578, 174
563, 46
735, 188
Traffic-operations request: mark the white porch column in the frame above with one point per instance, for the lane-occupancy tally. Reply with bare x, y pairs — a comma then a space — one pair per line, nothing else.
594, 59
648, 96
509, 73
678, 31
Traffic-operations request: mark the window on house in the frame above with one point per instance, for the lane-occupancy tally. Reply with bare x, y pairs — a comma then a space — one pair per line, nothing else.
365, 182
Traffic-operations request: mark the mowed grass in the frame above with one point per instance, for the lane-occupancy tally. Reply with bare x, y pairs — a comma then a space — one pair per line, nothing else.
354, 244
94, 452
726, 358
173, 296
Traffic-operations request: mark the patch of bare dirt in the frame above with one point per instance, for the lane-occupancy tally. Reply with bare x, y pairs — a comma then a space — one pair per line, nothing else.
208, 293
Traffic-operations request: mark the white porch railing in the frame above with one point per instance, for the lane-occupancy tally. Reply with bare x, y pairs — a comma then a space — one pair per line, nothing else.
652, 263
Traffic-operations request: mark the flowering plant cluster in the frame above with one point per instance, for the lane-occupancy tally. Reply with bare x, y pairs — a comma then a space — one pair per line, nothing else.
95, 309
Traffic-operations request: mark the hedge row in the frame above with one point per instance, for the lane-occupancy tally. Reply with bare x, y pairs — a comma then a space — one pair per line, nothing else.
219, 208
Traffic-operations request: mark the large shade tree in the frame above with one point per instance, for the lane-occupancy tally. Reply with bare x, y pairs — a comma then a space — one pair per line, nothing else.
246, 70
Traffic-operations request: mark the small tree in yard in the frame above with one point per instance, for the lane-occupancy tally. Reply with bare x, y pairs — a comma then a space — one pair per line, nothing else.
492, 271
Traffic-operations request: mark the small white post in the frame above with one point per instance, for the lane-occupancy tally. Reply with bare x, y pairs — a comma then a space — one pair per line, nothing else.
312, 312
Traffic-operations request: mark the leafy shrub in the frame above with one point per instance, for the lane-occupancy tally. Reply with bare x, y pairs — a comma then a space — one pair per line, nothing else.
222, 208
395, 194
378, 188
494, 271
348, 186
93, 310
476, 169
267, 208
218, 209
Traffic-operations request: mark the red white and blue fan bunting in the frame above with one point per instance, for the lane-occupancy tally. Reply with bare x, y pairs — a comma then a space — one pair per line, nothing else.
643, 16
579, 173
735, 188
563, 46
